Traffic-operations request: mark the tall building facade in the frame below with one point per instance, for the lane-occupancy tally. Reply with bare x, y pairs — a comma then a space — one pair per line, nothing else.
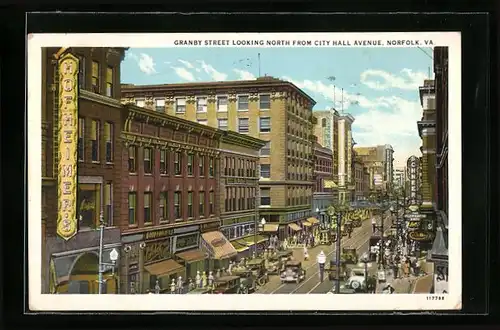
359, 179
267, 108
81, 123
380, 162
327, 132
389, 166
325, 192
345, 142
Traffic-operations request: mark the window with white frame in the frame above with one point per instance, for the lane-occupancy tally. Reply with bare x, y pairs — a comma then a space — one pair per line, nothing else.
265, 196
265, 124
222, 124
180, 105
242, 125
160, 105
201, 104
222, 103
243, 103
140, 103
265, 101
265, 171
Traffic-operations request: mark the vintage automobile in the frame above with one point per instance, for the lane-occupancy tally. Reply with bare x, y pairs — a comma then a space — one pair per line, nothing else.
276, 262
331, 269
357, 280
343, 290
255, 274
227, 284
349, 255
293, 272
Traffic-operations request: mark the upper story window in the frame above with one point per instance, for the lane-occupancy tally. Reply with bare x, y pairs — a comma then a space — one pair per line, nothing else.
190, 160
266, 149
109, 81
180, 105
223, 124
222, 103
243, 103
201, 163
96, 87
201, 104
265, 124
160, 105
108, 138
163, 162
265, 102
132, 154
140, 103
177, 163
211, 166
81, 72
265, 171
148, 160
94, 139
242, 125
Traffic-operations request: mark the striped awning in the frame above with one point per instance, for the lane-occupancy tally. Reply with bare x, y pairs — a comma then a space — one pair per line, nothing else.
306, 223
270, 227
312, 220
294, 227
218, 245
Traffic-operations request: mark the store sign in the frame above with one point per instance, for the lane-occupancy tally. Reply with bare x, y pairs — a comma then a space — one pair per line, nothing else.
157, 251
218, 242
413, 224
186, 242
210, 226
420, 236
415, 216
160, 233
67, 222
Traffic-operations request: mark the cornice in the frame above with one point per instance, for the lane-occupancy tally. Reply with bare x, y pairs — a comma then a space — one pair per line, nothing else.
93, 97
243, 140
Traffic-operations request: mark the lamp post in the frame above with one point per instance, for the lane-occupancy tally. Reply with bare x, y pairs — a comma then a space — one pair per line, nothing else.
262, 223
113, 255
338, 213
365, 260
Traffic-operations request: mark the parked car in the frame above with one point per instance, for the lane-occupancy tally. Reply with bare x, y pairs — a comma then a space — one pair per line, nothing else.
227, 284
357, 280
293, 272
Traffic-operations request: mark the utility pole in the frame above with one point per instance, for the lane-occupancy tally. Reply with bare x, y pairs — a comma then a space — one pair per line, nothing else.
337, 251
101, 243
258, 60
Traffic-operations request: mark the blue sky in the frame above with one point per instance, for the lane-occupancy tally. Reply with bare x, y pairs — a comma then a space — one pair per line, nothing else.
380, 84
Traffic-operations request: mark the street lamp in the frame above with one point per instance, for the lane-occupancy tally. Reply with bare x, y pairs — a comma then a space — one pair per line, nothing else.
332, 212
365, 260
262, 223
113, 255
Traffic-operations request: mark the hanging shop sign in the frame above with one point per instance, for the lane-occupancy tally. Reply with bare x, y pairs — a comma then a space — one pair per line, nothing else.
420, 236
67, 142
160, 233
415, 216
185, 242
413, 224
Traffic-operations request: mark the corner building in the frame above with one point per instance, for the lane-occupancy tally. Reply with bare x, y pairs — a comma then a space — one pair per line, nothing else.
170, 203
71, 266
266, 108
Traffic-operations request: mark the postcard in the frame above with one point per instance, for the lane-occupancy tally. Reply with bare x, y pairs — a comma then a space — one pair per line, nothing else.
244, 171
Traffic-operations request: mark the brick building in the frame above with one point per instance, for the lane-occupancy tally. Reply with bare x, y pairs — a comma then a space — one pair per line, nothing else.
71, 265
324, 193
359, 178
239, 187
171, 200
267, 108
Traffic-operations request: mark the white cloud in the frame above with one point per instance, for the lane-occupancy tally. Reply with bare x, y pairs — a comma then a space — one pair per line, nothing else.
183, 73
212, 72
407, 79
385, 120
147, 64
244, 75
187, 64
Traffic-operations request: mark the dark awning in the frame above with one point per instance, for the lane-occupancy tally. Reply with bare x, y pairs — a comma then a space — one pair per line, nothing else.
164, 268
192, 255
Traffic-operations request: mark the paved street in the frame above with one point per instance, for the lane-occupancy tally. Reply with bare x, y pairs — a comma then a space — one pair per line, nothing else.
359, 240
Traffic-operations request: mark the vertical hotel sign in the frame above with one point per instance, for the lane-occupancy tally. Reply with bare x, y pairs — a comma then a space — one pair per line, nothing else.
67, 138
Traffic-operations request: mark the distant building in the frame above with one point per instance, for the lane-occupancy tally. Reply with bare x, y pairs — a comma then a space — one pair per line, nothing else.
325, 192
379, 160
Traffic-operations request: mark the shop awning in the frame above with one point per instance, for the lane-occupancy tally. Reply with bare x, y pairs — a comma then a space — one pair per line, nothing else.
239, 246
218, 245
192, 255
164, 268
270, 227
312, 220
294, 227
250, 240
306, 223
424, 284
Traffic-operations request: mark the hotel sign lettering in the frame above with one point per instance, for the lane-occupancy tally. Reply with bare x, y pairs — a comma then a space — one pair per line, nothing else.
161, 233
67, 143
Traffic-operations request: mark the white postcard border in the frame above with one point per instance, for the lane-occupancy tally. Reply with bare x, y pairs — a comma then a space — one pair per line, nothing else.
252, 302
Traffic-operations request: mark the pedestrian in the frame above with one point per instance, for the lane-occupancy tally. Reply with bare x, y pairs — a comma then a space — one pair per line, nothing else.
306, 254
417, 267
374, 224
285, 244
321, 259
180, 285
198, 279
157, 287
395, 270
172, 286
